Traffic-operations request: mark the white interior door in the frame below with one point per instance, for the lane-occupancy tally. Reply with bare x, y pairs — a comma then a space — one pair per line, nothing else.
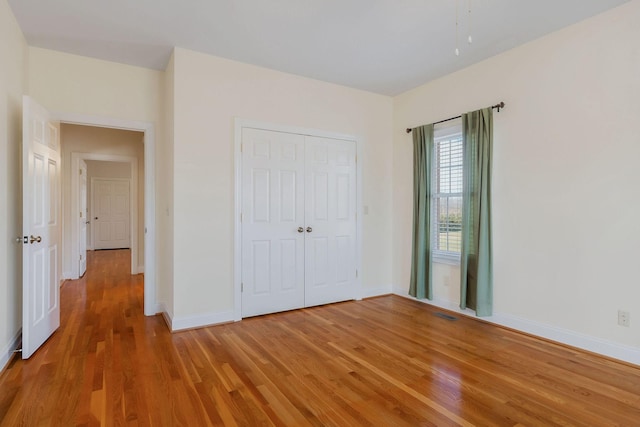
41, 227
330, 212
299, 230
272, 222
84, 220
110, 208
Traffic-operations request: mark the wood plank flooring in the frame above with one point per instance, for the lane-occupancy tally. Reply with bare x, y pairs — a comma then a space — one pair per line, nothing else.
385, 361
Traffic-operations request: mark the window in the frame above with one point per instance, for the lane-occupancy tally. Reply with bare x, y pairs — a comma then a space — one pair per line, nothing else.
447, 192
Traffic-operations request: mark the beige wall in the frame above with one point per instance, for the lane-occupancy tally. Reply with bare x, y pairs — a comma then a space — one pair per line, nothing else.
209, 93
103, 169
565, 177
66, 83
96, 140
13, 61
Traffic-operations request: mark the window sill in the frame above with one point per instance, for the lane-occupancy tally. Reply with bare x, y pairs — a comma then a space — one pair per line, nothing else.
441, 258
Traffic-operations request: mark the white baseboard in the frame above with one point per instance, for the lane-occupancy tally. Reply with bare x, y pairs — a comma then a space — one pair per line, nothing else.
166, 315
157, 309
67, 275
586, 342
564, 336
375, 292
403, 292
140, 269
8, 350
198, 321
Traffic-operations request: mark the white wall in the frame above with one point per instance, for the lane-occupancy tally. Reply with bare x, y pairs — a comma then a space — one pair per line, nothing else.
164, 178
13, 66
565, 176
209, 93
88, 139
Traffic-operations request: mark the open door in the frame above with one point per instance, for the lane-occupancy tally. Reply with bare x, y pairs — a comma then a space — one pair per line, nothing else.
41, 227
84, 219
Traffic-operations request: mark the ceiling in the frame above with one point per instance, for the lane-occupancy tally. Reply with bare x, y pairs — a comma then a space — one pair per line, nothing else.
382, 46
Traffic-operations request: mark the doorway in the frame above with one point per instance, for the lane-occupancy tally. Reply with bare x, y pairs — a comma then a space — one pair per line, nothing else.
146, 213
104, 165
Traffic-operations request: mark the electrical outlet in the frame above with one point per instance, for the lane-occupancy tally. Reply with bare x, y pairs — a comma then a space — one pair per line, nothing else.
623, 318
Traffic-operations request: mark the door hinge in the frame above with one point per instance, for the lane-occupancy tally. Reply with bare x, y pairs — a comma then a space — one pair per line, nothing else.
241, 287
241, 148
80, 257
241, 217
80, 214
80, 171
356, 272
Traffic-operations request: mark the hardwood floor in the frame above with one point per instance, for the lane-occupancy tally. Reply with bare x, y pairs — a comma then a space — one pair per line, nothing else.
385, 361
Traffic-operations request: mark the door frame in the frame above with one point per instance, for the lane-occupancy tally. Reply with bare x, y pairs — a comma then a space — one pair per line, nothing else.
133, 205
240, 124
86, 210
151, 306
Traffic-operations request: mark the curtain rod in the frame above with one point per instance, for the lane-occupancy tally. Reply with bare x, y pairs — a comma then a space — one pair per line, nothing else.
497, 106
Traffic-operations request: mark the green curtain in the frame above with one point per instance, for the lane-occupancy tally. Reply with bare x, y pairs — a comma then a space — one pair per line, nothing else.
476, 271
420, 286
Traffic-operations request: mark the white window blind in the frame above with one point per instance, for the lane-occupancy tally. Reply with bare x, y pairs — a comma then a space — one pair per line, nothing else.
447, 192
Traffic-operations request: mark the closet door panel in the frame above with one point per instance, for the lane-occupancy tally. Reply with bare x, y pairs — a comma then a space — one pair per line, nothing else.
330, 213
272, 212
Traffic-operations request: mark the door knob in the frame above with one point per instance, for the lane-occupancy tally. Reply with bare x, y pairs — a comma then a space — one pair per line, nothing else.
95, 217
300, 229
37, 239
309, 229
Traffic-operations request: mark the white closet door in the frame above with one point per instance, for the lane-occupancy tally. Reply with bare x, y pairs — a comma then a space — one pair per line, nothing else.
330, 211
272, 215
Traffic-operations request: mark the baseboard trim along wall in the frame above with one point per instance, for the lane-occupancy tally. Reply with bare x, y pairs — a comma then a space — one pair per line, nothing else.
563, 336
375, 292
198, 321
7, 352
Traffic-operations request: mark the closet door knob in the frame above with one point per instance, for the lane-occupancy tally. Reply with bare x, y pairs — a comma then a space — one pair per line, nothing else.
309, 229
300, 229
